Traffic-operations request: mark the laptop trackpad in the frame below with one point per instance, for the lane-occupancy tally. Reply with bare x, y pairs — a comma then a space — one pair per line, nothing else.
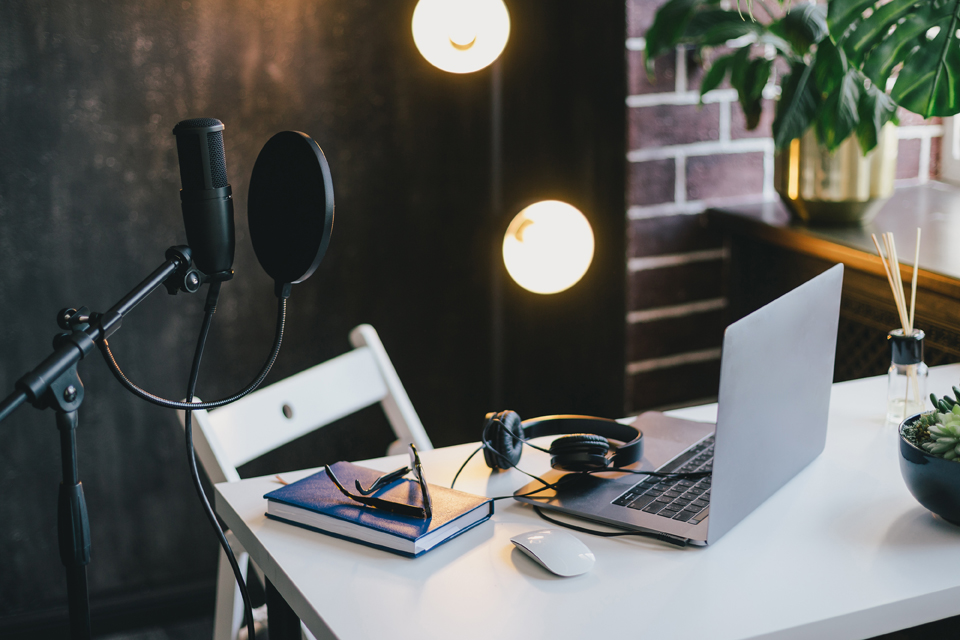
664, 438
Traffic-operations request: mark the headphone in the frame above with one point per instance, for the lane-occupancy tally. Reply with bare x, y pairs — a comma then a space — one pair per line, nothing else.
583, 447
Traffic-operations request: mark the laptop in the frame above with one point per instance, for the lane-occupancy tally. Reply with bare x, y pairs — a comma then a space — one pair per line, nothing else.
776, 371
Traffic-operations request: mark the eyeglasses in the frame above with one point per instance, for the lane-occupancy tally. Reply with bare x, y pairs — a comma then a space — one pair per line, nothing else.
424, 513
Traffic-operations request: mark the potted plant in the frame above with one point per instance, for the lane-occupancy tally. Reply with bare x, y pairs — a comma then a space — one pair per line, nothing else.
833, 125
930, 457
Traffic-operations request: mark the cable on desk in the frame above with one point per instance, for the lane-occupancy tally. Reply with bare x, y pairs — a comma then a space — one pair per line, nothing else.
679, 542
654, 474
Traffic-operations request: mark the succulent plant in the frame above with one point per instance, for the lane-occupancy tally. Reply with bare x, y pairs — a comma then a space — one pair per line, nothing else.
938, 431
921, 428
945, 435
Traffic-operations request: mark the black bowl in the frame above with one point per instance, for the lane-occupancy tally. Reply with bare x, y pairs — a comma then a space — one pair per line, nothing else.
933, 481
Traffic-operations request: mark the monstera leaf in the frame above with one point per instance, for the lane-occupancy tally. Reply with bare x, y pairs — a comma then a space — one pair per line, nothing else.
878, 36
840, 57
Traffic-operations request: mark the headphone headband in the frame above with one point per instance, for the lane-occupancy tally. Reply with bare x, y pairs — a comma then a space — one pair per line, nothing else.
632, 438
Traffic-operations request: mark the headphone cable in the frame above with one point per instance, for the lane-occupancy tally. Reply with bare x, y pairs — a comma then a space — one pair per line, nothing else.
485, 444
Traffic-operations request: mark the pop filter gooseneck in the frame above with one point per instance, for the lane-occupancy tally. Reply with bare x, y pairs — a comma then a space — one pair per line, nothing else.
290, 207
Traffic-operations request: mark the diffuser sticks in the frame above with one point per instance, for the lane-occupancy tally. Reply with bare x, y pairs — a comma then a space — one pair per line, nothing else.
891, 265
907, 374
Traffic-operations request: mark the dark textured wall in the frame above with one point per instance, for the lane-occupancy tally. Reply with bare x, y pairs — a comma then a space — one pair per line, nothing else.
89, 92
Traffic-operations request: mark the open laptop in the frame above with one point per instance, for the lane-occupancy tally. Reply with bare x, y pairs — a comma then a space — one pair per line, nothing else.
776, 371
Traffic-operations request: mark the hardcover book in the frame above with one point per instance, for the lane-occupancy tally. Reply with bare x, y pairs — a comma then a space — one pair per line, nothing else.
315, 503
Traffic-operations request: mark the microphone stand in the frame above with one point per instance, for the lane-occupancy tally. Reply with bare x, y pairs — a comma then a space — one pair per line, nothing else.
54, 384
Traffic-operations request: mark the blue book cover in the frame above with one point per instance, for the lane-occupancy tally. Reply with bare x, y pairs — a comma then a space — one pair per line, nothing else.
315, 503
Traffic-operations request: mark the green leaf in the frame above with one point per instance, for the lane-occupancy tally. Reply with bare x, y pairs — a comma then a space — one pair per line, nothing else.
876, 109
797, 106
725, 31
838, 117
738, 70
893, 49
754, 78
843, 13
708, 18
928, 81
783, 47
870, 31
802, 27
715, 75
667, 29
894, 35
829, 67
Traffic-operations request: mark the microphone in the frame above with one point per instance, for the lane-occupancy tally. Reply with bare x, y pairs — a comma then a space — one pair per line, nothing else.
205, 197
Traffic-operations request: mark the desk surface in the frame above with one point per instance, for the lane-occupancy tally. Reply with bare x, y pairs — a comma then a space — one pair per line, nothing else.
842, 551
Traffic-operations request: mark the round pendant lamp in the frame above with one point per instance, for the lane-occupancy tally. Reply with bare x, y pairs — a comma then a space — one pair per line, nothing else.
548, 247
461, 36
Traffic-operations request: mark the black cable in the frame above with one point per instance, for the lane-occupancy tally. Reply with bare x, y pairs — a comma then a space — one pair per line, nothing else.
463, 466
485, 444
670, 475
173, 404
547, 485
679, 542
209, 309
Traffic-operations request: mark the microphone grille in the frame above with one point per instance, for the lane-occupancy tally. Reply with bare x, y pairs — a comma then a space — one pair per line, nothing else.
199, 170
198, 123
218, 163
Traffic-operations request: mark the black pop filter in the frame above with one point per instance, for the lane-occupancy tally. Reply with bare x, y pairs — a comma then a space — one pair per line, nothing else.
290, 207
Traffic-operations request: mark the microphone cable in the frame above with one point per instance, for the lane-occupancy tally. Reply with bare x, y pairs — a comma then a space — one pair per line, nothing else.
210, 307
173, 404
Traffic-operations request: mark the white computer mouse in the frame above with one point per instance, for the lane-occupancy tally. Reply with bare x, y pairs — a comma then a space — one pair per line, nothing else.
558, 551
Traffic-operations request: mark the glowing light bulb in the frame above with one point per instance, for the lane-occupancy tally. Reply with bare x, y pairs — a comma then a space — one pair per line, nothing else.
460, 36
548, 247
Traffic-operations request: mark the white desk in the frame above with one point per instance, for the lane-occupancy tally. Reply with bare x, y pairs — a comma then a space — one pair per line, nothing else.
842, 551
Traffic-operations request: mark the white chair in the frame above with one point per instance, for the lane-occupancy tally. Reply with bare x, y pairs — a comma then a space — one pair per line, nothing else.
235, 434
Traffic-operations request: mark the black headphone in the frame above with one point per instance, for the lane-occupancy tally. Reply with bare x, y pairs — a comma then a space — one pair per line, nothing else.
584, 447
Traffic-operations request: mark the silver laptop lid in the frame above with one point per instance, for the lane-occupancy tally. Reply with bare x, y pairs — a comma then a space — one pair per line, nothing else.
776, 372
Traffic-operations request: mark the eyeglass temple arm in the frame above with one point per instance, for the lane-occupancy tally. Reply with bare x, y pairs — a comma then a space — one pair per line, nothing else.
382, 481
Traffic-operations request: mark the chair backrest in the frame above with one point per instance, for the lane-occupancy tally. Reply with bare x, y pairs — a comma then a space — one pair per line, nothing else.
230, 436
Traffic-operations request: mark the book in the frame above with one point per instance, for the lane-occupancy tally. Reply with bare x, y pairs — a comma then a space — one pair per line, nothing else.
315, 503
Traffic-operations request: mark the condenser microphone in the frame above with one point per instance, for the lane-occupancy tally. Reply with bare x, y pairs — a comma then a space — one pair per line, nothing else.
205, 196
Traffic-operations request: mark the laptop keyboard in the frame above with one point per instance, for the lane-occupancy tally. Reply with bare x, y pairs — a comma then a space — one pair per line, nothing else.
683, 500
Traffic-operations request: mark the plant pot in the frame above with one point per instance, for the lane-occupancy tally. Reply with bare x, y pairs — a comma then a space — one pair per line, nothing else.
840, 188
933, 481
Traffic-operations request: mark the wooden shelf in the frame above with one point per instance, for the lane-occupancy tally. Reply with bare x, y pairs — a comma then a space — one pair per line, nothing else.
771, 253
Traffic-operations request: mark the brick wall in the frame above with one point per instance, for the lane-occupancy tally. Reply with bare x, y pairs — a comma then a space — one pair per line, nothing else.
681, 159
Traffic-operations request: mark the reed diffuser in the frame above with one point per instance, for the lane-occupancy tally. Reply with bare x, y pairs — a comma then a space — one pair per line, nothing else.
907, 376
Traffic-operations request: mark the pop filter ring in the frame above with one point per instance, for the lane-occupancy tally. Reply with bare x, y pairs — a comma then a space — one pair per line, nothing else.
290, 207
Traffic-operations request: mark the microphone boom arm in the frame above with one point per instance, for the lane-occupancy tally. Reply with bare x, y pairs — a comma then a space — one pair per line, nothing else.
72, 347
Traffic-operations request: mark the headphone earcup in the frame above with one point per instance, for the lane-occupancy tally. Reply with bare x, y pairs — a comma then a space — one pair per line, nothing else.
502, 431
580, 452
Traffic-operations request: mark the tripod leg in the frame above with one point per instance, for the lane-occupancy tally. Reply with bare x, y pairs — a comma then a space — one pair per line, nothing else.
73, 528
